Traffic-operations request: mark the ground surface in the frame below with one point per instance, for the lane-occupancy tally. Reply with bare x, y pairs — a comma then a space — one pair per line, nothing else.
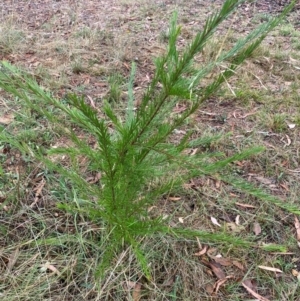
87, 47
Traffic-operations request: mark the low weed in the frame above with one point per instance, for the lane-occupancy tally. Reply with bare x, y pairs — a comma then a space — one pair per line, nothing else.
115, 88
11, 38
277, 123
78, 67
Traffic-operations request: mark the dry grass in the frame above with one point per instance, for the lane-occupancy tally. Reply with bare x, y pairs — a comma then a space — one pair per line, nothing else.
87, 47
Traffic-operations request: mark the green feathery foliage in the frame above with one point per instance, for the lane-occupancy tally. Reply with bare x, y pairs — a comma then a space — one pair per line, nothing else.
137, 163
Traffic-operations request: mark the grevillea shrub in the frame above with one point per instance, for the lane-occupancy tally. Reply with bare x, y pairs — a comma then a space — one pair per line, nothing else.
137, 163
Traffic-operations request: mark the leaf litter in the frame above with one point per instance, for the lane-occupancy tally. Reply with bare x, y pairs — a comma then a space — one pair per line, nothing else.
6, 119
256, 228
216, 263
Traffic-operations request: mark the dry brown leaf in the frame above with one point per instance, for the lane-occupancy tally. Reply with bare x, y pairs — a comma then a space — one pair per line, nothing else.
173, 198
12, 259
253, 293
165, 216
6, 119
245, 205
38, 191
214, 221
86, 81
209, 289
238, 265
249, 283
223, 261
269, 269
35, 64
264, 180
241, 164
289, 141
246, 115
295, 273
51, 267
202, 252
256, 228
285, 187
218, 184
218, 284
216, 268
297, 226
194, 152
136, 294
